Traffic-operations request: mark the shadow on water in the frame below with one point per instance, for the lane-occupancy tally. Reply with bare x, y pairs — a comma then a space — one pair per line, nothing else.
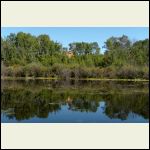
74, 101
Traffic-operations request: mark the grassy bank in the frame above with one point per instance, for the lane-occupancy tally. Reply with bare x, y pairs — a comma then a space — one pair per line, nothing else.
56, 78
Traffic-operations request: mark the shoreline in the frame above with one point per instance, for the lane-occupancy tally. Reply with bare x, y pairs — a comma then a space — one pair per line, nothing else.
86, 79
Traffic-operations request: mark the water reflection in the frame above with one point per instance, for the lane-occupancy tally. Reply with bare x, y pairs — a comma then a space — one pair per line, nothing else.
74, 101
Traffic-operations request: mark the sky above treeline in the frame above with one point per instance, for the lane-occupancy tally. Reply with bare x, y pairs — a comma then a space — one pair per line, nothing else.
66, 35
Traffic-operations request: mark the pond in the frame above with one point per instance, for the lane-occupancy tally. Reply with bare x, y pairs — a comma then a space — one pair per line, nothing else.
74, 101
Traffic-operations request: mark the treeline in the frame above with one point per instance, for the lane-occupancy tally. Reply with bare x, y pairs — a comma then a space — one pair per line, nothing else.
25, 55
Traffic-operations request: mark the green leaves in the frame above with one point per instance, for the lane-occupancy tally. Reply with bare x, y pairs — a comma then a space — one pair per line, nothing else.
120, 51
27, 48
117, 42
121, 55
140, 52
84, 48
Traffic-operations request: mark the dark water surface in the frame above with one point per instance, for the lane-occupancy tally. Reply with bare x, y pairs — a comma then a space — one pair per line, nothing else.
45, 101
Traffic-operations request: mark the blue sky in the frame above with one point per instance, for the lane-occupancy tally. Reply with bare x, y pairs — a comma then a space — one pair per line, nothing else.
66, 35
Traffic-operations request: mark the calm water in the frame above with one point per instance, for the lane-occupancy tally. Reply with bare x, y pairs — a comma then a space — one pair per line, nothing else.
44, 101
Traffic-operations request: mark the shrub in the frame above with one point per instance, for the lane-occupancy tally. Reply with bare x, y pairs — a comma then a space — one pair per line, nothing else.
61, 71
19, 71
3, 69
95, 72
56, 69
36, 70
131, 72
146, 72
108, 72
9, 71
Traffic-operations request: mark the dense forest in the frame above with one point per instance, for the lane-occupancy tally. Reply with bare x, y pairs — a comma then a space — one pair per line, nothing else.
25, 55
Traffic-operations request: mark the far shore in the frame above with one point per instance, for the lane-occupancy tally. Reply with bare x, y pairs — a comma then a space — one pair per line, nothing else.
56, 78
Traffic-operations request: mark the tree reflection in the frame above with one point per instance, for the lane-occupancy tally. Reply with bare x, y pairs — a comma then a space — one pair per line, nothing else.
21, 104
120, 105
83, 105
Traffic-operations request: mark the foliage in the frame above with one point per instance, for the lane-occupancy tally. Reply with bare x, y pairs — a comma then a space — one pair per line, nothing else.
23, 54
